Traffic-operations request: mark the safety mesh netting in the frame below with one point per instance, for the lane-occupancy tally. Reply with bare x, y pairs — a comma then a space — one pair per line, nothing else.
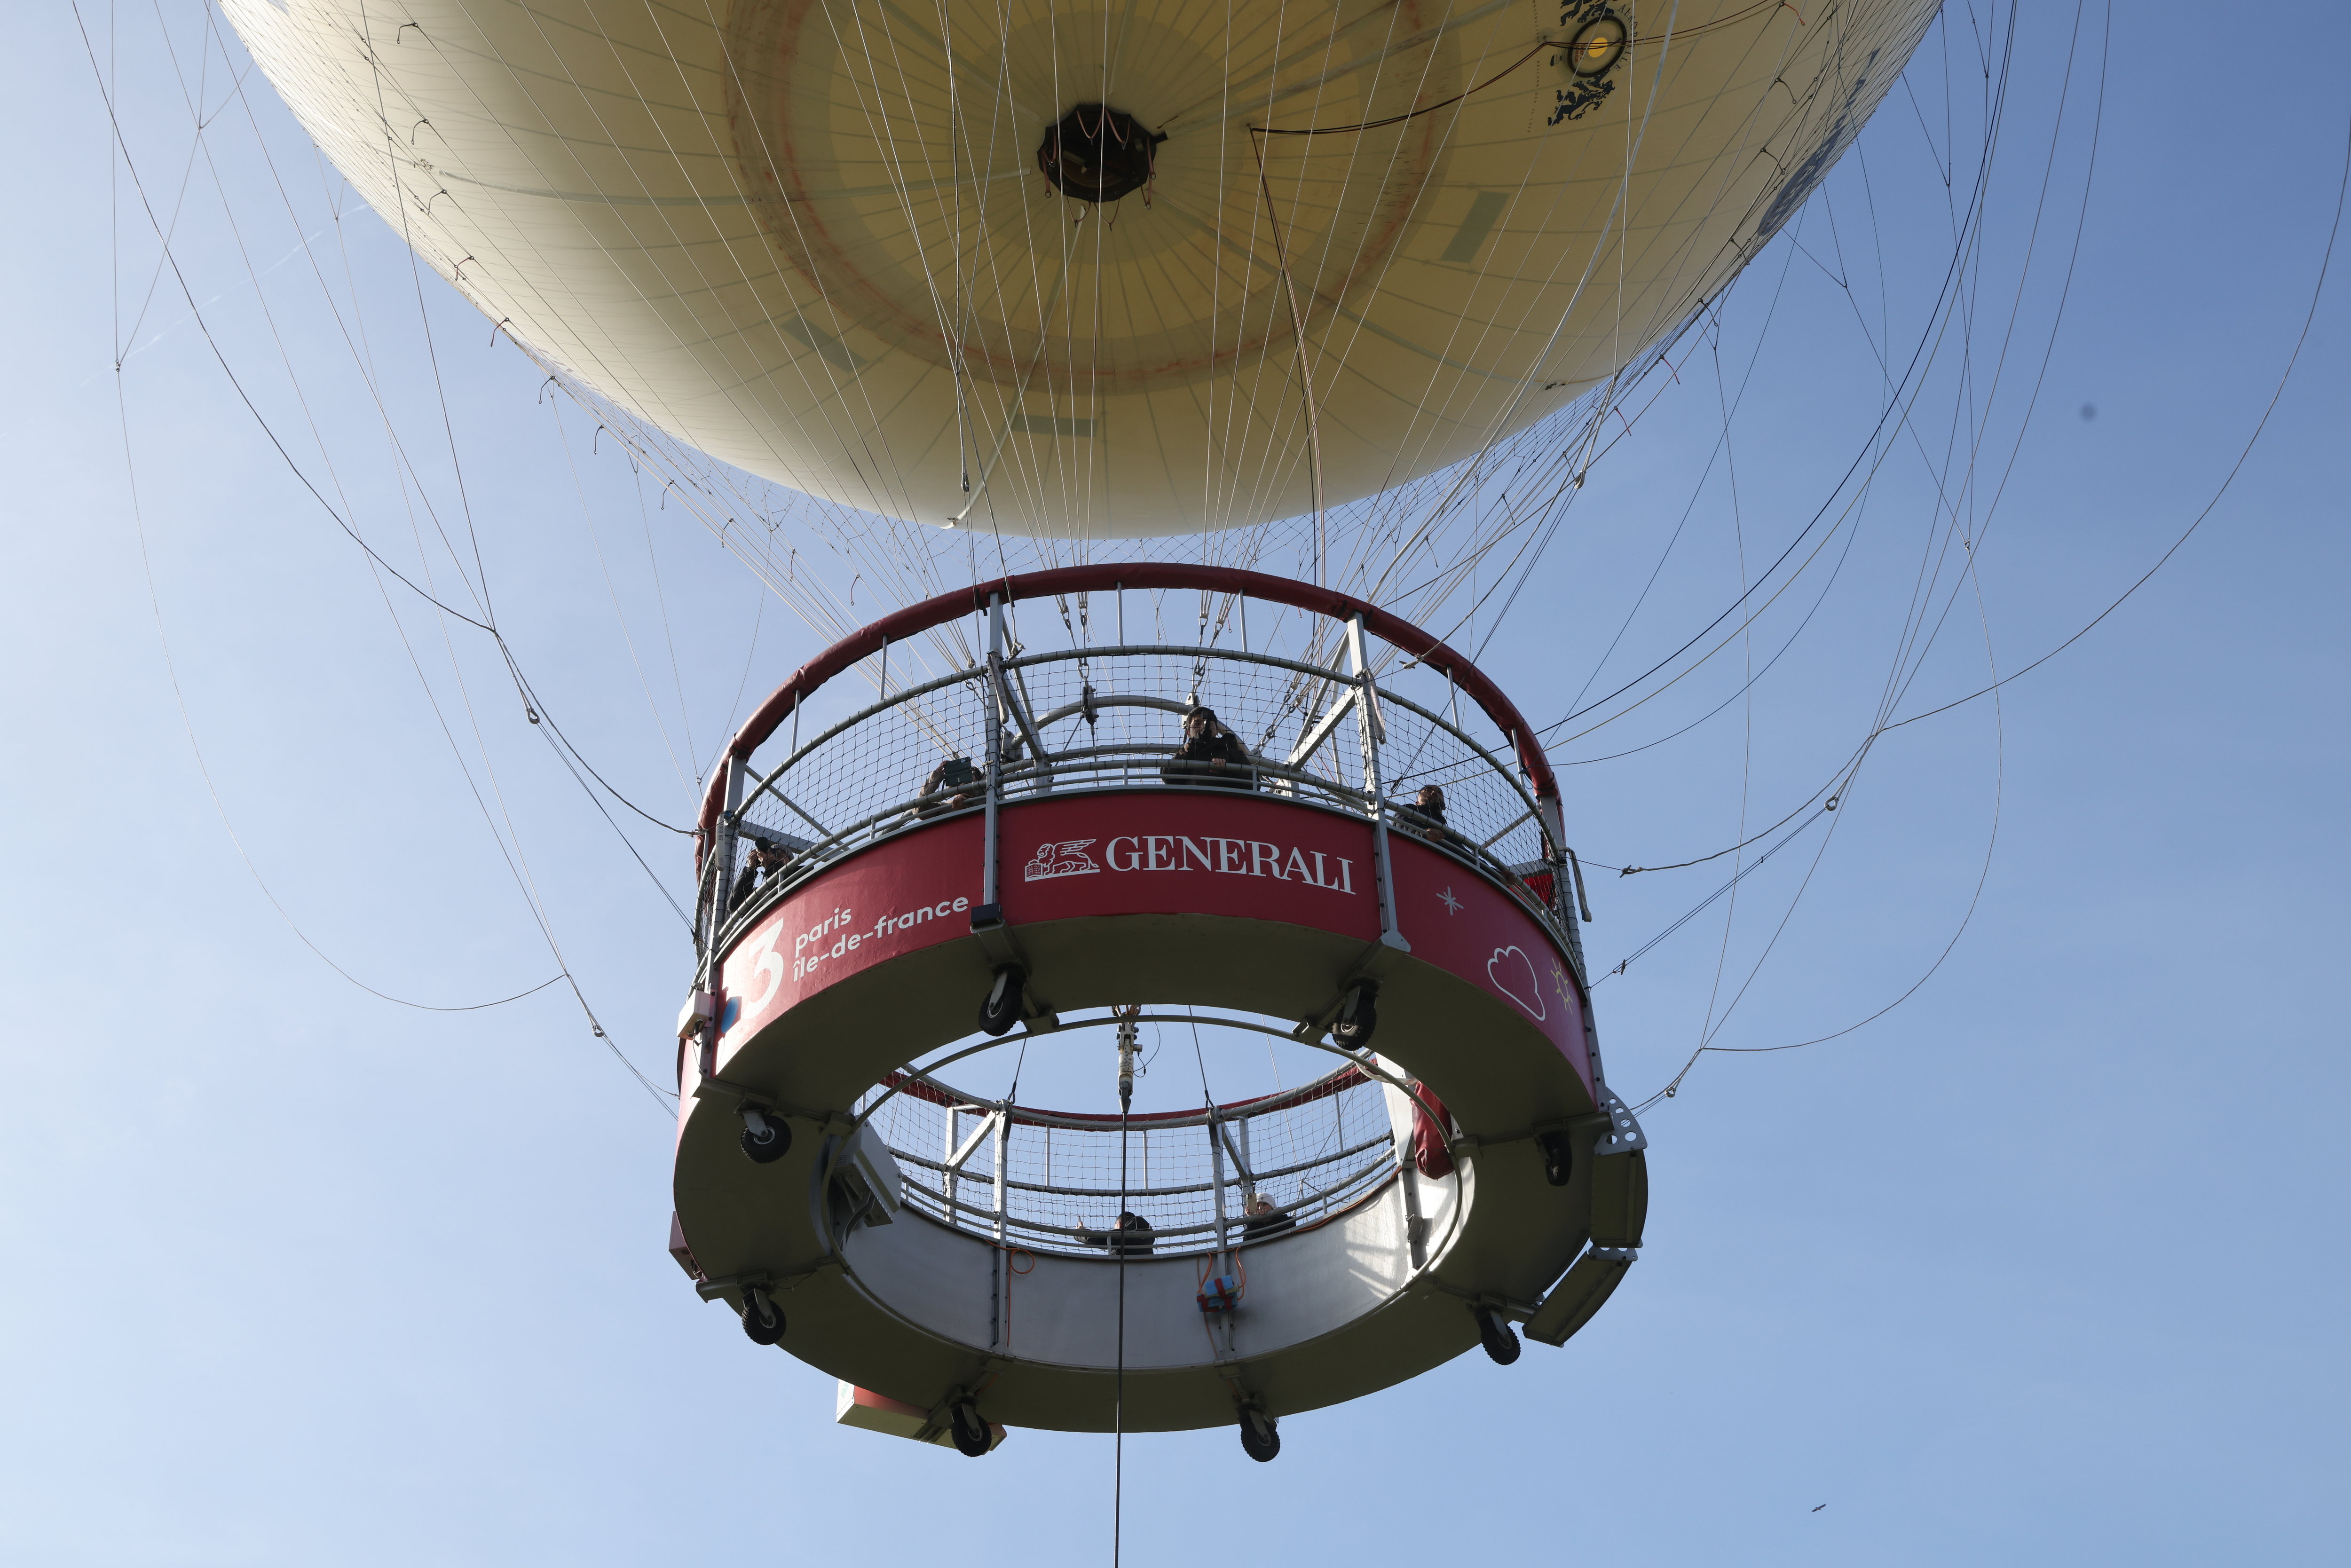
1309, 1152
1112, 720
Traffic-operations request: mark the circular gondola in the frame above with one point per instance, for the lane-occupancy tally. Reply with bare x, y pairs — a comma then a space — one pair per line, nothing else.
1027, 848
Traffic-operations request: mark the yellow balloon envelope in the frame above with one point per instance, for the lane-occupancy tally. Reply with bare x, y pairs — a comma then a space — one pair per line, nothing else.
1086, 271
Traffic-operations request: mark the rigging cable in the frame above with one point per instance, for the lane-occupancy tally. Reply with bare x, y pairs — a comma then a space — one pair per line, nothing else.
1119, 1236
138, 185
2318, 288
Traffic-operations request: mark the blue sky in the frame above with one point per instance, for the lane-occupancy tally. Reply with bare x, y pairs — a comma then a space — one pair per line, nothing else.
2046, 1264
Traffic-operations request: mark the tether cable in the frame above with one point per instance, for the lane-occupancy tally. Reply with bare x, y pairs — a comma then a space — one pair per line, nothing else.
1118, 1241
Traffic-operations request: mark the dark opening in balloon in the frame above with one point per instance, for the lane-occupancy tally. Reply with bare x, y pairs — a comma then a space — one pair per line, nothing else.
1598, 46
1098, 153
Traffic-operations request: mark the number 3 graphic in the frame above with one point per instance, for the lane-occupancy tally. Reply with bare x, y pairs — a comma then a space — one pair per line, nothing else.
769, 962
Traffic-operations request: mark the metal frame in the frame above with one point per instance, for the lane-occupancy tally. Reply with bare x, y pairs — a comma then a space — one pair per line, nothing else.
1046, 770
1364, 1062
998, 1117
785, 700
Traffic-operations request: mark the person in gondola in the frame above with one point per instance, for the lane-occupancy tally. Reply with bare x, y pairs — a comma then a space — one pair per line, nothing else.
1426, 815
953, 783
1129, 1237
1210, 754
1263, 1220
767, 858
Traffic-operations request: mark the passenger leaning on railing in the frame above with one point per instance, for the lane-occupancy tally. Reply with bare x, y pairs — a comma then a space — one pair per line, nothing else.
1131, 1237
767, 858
1426, 815
951, 784
1263, 1220
1210, 754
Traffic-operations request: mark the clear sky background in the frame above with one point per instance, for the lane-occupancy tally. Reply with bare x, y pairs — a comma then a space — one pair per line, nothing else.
2045, 1265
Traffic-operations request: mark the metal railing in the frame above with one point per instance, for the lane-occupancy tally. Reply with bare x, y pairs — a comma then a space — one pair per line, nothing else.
1049, 1182
861, 779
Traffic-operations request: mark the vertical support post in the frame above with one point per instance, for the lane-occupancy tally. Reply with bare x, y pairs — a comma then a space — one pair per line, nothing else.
1562, 889
1416, 1230
991, 908
1216, 1177
713, 908
1249, 1175
947, 1155
1217, 1169
999, 1147
1368, 728
722, 849
705, 925
1563, 900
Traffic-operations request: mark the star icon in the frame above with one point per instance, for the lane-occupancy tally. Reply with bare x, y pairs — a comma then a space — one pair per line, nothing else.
1452, 905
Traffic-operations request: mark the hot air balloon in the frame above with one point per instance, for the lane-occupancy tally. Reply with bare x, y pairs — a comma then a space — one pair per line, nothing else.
1093, 272
1085, 275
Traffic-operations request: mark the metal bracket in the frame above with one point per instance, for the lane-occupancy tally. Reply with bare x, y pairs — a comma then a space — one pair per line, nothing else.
1579, 1293
940, 1417
1375, 963
1013, 695
996, 939
712, 1289
1244, 1396
1537, 1130
999, 946
1507, 1306
1623, 1134
743, 1094
767, 1280
719, 1088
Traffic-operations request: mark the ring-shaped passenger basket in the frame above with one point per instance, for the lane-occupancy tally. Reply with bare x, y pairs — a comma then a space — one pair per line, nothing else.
1026, 847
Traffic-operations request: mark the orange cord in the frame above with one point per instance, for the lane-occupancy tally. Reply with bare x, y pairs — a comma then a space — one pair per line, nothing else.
1241, 1273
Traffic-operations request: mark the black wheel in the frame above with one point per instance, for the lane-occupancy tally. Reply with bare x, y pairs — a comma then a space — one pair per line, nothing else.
762, 1318
1357, 1015
1002, 1010
1558, 1157
972, 1437
1260, 1437
1500, 1343
766, 1138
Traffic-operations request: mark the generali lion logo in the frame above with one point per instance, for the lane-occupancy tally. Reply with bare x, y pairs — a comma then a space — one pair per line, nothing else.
1068, 858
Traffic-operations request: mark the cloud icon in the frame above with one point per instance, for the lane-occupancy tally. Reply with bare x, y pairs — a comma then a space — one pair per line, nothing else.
1512, 973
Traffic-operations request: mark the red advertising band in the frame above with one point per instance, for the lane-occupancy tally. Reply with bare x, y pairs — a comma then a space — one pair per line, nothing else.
919, 618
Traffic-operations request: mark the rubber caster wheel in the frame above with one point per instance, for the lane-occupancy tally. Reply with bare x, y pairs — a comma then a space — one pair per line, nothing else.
1358, 1017
763, 1320
1558, 1157
1001, 1010
1261, 1440
1496, 1335
766, 1138
972, 1437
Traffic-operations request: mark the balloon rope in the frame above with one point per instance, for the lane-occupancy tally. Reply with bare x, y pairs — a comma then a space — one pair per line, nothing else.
1118, 1399
1408, 114
1305, 365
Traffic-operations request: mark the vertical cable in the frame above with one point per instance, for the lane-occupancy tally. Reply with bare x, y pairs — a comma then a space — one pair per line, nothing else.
1118, 1398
